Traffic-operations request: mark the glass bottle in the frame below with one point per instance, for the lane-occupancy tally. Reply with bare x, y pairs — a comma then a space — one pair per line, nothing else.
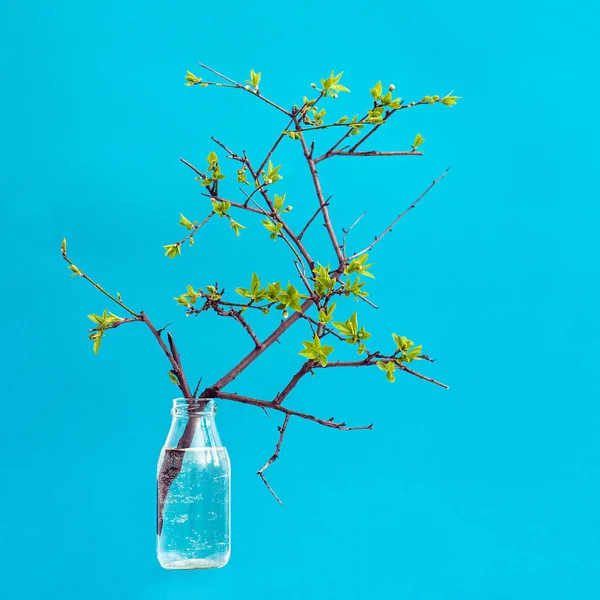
193, 486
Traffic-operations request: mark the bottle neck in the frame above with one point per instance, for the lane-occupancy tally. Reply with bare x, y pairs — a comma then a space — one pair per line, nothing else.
193, 425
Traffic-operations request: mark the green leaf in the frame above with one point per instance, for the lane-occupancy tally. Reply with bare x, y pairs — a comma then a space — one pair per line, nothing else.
278, 201
419, 139
173, 378
97, 342
236, 227
254, 79
272, 175
185, 222
63, 246
358, 265
75, 270
449, 100
255, 285
212, 158
376, 90
172, 250
191, 79
273, 228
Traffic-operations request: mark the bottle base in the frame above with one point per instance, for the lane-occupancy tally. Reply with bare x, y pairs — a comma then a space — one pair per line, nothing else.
189, 564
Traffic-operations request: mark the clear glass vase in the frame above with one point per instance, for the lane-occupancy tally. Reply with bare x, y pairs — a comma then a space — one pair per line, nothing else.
193, 489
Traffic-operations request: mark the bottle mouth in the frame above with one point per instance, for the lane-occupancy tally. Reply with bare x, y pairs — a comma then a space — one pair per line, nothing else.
193, 407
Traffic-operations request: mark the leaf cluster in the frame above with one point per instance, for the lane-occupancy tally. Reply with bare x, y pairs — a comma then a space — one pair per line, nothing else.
103, 322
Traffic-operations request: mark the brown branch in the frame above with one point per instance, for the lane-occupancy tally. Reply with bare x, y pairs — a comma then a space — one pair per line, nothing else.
254, 92
370, 133
310, 290
424, 377
216, 196
236, 204
273, 213
275, 456
390, 227
373, 153
388, 114
185, 388
293, 413
317, 184
324, 327
238, 317
195, 229
304, 369
118, 323
254, 354
273, 217
177, 368
347, 231
313, 218
369, 362
98, 287
193, 168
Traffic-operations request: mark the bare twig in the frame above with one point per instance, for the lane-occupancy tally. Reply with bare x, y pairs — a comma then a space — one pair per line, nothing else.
390, 227
372, 153
238, 317
195, 229
276, 216
304, 369
369, 362
324, 205
293, 413
254, 92
347, 231
317, 184
323, 327
98, 287
275, 456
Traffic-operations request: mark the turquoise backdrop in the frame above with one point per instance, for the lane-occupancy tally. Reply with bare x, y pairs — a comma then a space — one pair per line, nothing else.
487, 491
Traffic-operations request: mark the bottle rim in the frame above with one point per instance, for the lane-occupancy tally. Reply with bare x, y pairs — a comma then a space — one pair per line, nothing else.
196, 407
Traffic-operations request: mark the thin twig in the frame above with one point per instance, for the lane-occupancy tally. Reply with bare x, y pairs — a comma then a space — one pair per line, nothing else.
238, 317
375, 153
275, 456
369, 362
197, 387
185, 388
254, 354
324, 205
254, 92
347, 231
293, 413
304, 369
390, 227
99, 287
324, 327
320, 197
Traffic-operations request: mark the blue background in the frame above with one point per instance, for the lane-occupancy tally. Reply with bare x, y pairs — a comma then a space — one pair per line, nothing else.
490, 490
